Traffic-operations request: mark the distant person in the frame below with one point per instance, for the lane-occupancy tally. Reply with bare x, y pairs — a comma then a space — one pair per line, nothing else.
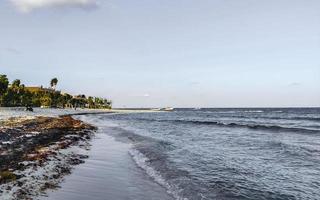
29, 108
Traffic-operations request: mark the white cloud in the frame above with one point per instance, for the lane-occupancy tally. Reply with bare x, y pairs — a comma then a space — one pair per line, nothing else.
29, 5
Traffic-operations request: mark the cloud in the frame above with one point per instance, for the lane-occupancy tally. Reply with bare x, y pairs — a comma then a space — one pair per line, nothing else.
27, 6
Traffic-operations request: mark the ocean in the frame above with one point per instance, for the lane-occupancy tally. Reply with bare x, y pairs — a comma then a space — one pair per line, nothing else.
260, 153
223, 154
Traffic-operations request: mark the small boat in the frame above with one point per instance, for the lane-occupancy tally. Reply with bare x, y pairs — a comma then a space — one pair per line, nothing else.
168, 109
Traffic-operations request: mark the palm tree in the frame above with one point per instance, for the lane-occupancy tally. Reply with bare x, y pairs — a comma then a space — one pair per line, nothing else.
53, 83
15, 86
3, 84
16, 83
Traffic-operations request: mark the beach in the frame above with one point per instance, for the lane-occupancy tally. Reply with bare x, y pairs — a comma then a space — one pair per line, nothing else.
159, 100
39, 149
32, 157
108, 173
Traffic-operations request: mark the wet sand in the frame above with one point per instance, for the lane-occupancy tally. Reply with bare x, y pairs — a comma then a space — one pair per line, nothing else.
50, 147
108, 173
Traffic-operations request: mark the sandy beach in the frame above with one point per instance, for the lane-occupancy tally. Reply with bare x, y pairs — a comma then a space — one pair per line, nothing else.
38, 150
108, 173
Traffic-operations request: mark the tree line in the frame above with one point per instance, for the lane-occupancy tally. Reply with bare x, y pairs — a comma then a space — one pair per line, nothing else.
17, 94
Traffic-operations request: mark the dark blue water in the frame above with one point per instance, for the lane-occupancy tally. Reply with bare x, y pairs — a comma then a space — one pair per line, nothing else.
227, 153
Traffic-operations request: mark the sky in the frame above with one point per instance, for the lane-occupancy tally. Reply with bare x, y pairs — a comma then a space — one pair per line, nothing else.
177, 53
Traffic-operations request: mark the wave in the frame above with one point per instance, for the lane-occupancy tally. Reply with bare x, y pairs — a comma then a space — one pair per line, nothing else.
316, 119
256, 126
274, 128
294, 153
177, 182
235, 111
150, 154
142, 162
275, 116
253, 111
187, 172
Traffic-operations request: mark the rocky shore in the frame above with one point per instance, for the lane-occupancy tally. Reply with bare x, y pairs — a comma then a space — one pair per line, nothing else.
35, 153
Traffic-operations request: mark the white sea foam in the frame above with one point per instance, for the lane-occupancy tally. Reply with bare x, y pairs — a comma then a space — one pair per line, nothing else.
235, 111
141, 161
253, 111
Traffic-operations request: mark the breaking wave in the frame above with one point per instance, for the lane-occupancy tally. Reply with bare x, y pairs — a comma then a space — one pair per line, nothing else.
142, 162
274, 128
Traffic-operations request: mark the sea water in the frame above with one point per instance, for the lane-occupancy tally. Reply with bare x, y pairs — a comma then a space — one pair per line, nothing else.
260, 153
246, 153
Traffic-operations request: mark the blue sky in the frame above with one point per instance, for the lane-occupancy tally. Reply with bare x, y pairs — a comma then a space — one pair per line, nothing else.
180, 53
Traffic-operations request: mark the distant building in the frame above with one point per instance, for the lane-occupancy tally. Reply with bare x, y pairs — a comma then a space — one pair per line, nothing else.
35, 89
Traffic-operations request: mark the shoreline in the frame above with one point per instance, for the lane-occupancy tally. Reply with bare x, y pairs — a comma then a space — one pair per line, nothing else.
68, 111
37, 150
110, 172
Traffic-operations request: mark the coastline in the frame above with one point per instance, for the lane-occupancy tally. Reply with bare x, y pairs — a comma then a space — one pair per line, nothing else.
37, 151
110, 172
143, 156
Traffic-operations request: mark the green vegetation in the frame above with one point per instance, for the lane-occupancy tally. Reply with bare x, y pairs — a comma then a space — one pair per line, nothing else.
17, 94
